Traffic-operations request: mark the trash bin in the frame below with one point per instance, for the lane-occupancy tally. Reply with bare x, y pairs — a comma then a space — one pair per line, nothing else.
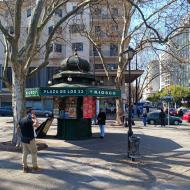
134, 147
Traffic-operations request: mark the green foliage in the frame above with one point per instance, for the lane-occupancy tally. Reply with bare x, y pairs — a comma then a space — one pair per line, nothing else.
154, 97
176, 91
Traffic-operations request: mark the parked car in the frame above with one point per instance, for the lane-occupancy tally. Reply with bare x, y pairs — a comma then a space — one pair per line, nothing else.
183, 109
173, 112
186, 116
153, 118
6, 111
42, 113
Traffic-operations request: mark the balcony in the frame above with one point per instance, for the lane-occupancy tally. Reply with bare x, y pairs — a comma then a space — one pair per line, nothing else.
107, 17
134, 74
106, 54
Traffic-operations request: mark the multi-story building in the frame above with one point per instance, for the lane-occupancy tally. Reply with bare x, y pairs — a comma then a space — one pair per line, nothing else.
104, 30
153, 77
175, 65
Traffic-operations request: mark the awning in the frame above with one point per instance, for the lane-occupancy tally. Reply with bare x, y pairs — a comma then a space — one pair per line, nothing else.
134, 74
72, 91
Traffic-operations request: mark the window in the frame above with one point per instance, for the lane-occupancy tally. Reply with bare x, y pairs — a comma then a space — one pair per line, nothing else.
77, 46
51, 47
113, 50
97, 12
75, 28
50, 29
59, 30
95, 52
58, 48
114, 12
114, 28
58, 12
97, 29
29, 12
112, 66
80, 11
98, 66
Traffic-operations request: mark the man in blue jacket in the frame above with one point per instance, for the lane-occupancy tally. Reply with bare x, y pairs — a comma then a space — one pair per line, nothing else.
28, 141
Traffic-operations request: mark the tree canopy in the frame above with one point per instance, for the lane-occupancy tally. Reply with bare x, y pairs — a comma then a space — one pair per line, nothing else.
177, 92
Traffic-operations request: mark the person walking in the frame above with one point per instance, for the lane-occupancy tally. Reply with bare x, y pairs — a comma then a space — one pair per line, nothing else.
138, 112
144, 118
101, 122
162, 117
180, 113
28, 142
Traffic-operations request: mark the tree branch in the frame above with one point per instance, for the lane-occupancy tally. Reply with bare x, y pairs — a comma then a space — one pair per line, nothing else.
17, 20
61, 21
32, 36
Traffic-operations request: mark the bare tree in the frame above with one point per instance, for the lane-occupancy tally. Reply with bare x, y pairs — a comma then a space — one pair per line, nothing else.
20, 49
141, 29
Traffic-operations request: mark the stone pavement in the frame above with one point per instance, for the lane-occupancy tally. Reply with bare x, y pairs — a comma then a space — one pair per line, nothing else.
97, 164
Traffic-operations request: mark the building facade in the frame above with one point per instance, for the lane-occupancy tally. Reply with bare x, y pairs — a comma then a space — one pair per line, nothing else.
153, 77
105, 30
175, 65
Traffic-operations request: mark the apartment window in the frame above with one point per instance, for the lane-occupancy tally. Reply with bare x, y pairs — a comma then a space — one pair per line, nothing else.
114, 12
95, 52
77, 46
97, 29
50, 29
51, 47
58, 12
58, 48
97, 12
75, 28
112, 66
59, 30
113, 50
50, 71
98, 66
38, 79
79, 11
114, 28
29, 12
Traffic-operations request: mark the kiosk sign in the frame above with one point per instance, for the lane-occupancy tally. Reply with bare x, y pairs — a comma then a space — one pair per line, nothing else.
69, 91
62, 92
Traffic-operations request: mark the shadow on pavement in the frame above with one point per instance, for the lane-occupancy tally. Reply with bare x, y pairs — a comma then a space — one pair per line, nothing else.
102, 164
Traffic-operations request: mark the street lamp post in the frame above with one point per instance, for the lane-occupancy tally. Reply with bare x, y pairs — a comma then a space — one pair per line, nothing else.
136, 90
130, 53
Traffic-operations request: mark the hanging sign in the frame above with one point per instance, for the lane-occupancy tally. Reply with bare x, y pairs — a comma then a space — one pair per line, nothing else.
89, 106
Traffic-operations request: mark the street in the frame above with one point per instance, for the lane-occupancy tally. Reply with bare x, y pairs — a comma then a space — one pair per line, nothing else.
102, 163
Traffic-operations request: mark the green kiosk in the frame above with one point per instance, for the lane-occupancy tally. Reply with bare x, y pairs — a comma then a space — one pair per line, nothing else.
74, 93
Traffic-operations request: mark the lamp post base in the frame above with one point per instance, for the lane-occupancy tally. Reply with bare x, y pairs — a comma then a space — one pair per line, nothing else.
130, 133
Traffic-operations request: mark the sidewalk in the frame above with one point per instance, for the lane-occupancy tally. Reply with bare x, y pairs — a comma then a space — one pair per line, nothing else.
96, 163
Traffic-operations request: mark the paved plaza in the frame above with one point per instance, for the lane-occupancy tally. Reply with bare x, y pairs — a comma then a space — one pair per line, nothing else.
97, 164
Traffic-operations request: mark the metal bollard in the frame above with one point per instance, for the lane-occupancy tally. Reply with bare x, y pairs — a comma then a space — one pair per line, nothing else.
134, 147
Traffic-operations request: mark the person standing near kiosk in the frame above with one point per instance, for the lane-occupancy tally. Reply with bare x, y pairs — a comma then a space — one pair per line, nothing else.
28, 141
101, 122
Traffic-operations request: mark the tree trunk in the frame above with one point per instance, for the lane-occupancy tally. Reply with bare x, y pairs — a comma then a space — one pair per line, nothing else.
18, 102
119, 104
119, 111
